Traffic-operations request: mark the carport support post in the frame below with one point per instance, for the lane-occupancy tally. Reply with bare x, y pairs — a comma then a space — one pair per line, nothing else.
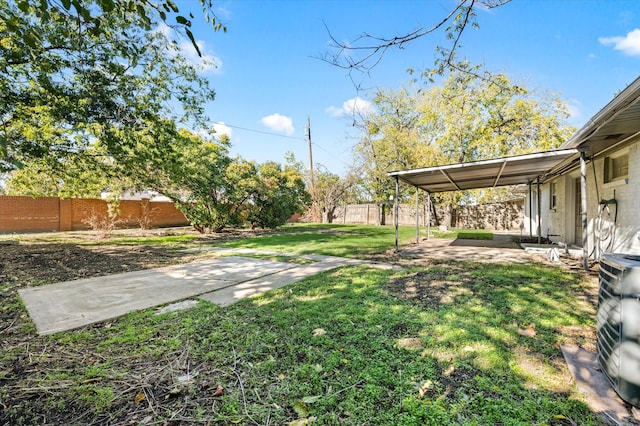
539, 208
428, 215
417, 217
530, 211
583, 208
395, 213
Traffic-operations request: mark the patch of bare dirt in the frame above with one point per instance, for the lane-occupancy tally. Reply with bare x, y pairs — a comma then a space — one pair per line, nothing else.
434, 286
40, 261
36, 264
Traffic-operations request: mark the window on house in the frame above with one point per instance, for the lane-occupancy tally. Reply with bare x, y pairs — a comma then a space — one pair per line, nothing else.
552, 195
616, 168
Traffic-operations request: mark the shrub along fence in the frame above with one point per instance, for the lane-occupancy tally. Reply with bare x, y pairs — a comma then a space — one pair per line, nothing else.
27, 214
508, 215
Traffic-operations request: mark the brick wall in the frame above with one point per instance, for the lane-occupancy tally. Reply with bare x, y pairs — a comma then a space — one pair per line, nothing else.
27, 214
18, 214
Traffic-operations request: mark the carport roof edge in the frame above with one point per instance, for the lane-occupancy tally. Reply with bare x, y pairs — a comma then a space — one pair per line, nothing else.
512, 170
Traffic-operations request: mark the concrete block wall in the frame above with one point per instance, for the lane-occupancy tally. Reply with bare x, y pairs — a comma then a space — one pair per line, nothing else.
497, 216
507, 215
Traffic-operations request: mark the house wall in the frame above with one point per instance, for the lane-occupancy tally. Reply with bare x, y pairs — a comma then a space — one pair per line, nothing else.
27, 214
624, 217
613, 228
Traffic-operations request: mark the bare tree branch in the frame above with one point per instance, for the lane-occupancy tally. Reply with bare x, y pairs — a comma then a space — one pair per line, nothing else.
381, 45
370, 49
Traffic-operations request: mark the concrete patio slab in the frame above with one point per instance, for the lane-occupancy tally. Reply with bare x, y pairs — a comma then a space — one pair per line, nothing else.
72, 304
498, 250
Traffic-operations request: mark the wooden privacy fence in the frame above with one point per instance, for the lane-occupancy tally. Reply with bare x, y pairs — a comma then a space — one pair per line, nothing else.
27, 214
506, 215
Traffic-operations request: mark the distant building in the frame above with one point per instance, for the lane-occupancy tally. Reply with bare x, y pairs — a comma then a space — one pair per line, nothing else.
138, 196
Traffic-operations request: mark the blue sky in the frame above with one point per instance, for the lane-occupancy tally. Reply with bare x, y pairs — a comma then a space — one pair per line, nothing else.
269, 79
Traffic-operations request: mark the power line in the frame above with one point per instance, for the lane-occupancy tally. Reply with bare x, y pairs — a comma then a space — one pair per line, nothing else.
261, 131
331, 154
285, 136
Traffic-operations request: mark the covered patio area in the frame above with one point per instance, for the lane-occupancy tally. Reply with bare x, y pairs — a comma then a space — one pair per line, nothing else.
527, 169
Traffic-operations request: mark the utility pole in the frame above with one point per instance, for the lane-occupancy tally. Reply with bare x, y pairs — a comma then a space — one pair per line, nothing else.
314, 209
310, 154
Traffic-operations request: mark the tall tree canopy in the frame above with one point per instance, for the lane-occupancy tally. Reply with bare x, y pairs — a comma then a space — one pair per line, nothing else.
76, 71
89, 175
465, 118
213, 190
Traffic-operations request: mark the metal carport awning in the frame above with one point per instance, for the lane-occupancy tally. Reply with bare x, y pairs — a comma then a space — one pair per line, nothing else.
514, 170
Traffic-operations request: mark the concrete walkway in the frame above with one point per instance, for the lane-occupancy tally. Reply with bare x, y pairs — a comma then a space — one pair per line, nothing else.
595, 387
72, 304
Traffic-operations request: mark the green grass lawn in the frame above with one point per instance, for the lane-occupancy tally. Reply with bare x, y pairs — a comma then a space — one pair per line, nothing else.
336, 240
468, 234
434, 345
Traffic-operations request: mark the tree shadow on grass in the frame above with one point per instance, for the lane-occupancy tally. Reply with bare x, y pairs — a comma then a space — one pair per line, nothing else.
475, 366
327, 347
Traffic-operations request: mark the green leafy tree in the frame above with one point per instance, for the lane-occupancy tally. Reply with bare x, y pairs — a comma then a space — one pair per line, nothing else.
466, 118
213, 190
93, 13
396, 137
77, 71
478, 118
184, 166
279, 193
84, 176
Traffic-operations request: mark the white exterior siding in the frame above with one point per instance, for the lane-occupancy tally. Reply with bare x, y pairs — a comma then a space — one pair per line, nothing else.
552, 223
553, 220
628, 197
612, 229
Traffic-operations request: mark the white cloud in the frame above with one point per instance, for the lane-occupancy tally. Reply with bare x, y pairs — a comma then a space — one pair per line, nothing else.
279, 123
223, 13
205, 63
213, 132
334, 111
629, 44
165, 30
353, 106
222, 129
574, 108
